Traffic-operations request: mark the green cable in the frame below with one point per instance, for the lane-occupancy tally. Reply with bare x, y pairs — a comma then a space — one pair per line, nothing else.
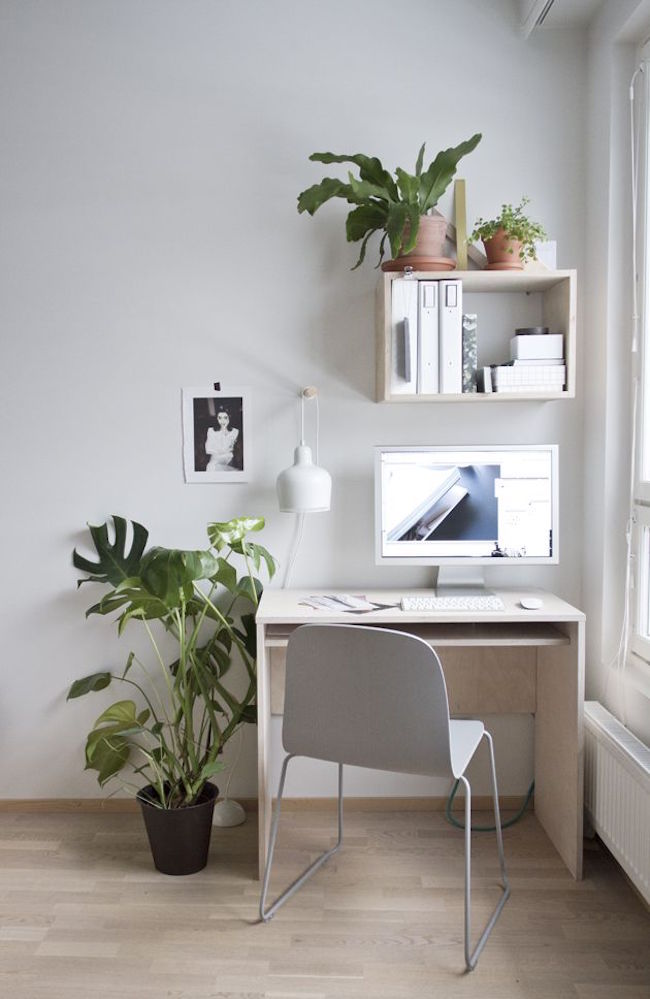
504, 825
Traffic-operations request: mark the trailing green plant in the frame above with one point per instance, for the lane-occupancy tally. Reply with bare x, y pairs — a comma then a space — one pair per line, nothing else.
187, 712
394, 205
515, 225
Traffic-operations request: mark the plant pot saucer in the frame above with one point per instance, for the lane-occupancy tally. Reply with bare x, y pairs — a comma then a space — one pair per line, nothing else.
420, 264
504, 267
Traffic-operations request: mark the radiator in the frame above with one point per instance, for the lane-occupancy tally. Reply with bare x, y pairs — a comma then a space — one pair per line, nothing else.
617, 792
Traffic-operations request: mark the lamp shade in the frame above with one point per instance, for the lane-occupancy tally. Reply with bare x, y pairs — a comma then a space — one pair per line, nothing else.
304, 487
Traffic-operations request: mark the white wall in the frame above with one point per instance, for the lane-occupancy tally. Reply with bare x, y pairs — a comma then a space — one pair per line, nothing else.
153, 152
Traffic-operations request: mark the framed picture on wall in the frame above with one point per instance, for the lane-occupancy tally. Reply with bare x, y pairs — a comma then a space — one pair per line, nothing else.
216, 435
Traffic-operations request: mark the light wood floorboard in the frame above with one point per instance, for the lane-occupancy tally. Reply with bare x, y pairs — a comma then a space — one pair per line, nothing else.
84, 914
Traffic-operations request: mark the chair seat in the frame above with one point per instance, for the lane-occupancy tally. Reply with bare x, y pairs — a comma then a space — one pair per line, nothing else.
464, 737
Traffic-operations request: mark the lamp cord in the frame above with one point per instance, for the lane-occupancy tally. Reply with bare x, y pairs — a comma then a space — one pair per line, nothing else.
293, 552
504, 825
309, 393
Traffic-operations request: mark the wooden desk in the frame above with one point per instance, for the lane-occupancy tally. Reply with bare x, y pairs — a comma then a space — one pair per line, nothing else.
495, 662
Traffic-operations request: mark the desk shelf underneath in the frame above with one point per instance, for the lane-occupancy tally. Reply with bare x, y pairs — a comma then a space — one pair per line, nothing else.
501, 633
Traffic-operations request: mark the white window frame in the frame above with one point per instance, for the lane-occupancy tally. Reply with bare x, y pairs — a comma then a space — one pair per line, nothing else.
639, 636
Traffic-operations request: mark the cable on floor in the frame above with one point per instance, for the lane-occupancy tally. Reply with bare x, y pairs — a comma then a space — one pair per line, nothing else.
504, 825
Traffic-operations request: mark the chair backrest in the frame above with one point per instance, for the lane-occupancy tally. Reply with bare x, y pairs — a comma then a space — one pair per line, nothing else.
371, 697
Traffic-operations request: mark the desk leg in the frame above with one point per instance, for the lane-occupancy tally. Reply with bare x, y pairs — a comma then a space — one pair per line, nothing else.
263, 747
559, 745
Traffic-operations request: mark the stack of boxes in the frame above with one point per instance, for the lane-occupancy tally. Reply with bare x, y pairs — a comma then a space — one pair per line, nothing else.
536, 364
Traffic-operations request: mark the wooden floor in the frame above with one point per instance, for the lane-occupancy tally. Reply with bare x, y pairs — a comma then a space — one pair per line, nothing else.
84, 914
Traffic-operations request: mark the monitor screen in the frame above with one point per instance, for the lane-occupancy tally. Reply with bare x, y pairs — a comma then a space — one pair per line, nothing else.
453, 505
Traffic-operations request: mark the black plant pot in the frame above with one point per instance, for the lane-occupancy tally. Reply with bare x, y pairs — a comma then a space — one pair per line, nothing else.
179, 837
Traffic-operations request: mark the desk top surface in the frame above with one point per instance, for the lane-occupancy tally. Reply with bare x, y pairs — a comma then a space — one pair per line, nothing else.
279, 606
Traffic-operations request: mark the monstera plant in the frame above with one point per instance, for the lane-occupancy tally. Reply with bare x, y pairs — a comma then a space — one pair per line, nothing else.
394, 205
170, 733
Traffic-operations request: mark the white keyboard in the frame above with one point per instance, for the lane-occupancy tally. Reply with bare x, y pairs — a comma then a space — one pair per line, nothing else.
472, 602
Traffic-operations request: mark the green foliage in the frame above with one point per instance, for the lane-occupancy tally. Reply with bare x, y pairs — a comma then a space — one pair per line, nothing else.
201, 600
516, 226
113, 564
384, 203
96, 681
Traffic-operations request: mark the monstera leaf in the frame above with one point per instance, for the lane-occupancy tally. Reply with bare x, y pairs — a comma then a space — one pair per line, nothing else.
231, 533
248, 635
135, 600
169, 574
108, 746
114, 563
96, 681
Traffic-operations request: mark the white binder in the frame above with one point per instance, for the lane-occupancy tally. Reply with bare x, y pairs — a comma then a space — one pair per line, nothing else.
451, 337
404, 337
428, 380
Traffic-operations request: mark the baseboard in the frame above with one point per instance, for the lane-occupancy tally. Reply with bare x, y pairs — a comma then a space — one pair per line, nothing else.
82, 806
86, 805
417, 803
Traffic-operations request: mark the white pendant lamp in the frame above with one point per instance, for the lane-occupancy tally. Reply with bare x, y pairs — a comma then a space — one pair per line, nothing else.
305, 487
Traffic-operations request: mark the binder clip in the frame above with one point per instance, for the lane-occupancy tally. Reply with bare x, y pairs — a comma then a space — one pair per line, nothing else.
217, 386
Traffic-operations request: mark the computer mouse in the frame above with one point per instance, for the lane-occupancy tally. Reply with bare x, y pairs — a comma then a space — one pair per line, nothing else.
531, 603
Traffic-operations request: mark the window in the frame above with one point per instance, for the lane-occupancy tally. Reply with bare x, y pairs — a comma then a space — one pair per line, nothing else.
639, 644
640, 641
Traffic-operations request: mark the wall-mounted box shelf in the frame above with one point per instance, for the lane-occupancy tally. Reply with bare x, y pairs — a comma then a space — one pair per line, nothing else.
503, 301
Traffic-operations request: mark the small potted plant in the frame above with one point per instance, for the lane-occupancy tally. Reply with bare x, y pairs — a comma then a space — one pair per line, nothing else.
509, 239
398, 206
173, 739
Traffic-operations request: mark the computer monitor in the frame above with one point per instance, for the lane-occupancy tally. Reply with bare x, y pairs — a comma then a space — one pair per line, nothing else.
466, 505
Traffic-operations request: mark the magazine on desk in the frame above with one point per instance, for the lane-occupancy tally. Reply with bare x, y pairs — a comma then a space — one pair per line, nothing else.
343, 603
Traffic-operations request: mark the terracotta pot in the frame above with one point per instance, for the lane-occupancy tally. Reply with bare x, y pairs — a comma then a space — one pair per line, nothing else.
503, 253
428, 249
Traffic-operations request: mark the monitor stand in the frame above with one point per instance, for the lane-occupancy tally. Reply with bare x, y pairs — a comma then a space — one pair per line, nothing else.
454, 580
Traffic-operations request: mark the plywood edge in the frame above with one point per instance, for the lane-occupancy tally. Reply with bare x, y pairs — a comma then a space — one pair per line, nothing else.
382, 341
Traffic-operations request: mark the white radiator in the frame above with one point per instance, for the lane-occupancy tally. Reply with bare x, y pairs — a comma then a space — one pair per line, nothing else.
617, 792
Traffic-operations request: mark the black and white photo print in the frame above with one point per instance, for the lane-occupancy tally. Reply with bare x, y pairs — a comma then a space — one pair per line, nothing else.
215, 435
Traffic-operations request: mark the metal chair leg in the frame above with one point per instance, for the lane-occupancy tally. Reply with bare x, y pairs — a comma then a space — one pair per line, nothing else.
266, 914
471, 957
497, 816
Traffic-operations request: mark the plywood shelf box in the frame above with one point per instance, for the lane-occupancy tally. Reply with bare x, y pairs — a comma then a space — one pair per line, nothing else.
503, 301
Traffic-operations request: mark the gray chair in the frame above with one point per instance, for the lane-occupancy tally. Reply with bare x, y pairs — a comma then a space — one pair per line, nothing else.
374, 697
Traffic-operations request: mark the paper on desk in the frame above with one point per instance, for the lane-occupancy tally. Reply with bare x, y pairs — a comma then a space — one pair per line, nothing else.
342, 602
